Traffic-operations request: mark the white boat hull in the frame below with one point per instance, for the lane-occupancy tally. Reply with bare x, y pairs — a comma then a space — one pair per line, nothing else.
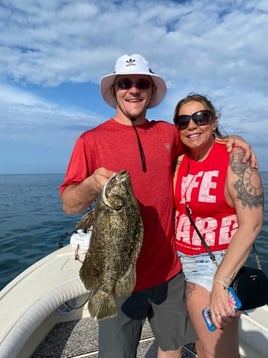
34, 302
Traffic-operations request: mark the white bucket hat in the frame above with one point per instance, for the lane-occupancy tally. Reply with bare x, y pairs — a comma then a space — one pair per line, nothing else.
132, 65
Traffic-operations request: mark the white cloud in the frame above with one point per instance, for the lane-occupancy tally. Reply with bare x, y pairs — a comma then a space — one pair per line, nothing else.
21, 110
213, 47
61, 41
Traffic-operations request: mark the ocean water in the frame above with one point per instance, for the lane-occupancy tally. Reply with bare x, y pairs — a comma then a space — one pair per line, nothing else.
33, 223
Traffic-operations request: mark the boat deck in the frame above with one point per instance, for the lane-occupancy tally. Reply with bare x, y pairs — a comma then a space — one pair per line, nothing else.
79, 339
52, 311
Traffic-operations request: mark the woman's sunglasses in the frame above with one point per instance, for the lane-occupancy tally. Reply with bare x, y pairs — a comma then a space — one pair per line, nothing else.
201, 118
141, 84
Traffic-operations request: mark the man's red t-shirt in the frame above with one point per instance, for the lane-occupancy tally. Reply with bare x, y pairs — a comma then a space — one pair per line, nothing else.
114, 146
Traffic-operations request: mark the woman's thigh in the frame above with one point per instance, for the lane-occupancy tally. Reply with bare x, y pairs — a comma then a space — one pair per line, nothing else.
221, 343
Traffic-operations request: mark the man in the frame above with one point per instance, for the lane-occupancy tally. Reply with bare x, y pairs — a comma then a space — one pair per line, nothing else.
145, 149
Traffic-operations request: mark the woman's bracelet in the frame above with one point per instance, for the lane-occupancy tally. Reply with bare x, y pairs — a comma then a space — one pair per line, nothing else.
222, 282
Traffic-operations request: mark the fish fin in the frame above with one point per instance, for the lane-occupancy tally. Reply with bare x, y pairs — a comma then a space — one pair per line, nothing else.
88, 283
86, 274
86, 221
102, 305
125, 285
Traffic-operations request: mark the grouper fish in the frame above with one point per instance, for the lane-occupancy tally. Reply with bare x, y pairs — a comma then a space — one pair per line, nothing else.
109, 266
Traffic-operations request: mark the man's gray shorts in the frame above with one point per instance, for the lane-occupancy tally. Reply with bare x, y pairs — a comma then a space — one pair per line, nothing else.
163, 305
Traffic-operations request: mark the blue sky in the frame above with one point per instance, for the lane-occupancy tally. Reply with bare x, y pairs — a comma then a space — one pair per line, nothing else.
53, 53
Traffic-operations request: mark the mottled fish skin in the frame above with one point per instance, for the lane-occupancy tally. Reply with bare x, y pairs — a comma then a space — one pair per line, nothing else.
117, 234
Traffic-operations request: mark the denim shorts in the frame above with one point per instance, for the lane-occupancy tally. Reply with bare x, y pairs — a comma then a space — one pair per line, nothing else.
200, 269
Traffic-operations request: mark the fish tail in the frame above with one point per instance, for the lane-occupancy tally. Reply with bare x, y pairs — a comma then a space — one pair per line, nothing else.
102, 305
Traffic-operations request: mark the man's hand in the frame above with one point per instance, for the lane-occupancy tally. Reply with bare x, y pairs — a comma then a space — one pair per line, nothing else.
237, 141
99, 178
77, 197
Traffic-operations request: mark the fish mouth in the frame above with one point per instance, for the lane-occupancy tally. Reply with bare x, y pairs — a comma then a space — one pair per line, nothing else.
118, 177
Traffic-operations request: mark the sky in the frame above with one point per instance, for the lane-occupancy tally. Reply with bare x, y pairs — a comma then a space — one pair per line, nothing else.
53, 54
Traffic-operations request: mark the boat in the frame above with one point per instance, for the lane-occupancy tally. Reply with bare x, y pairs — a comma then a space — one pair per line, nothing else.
43, 313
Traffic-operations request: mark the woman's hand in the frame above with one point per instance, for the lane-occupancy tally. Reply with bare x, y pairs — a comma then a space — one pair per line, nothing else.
222, 311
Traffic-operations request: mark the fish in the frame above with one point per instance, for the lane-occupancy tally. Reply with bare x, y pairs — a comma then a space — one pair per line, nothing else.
109, 266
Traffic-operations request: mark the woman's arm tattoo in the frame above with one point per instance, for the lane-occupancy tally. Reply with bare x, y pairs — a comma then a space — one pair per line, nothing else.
249, 185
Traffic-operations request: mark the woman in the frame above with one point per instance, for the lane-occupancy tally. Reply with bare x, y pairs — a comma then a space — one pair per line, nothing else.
225, 200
